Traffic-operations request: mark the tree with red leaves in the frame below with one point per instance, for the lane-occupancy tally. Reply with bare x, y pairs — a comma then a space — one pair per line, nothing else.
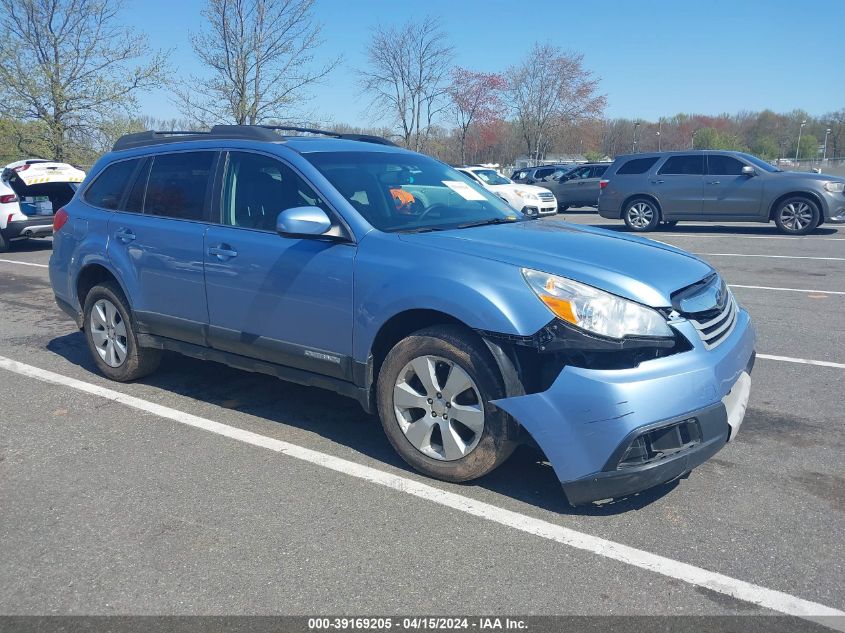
476, 99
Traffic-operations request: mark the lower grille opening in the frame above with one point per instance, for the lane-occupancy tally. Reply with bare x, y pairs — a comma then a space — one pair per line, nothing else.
660, 443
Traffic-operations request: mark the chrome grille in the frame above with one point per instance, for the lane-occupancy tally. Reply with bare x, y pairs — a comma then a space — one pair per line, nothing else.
546, 196
715, 329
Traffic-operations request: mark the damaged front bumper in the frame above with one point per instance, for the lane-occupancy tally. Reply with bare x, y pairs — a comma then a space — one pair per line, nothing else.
609, 433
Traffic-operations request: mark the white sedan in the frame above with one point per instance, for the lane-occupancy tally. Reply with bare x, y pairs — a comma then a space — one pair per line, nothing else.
529, 199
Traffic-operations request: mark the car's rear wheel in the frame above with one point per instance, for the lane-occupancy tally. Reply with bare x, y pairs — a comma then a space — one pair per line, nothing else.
641, 215
112, 336
434, 391
797, 216
4, 245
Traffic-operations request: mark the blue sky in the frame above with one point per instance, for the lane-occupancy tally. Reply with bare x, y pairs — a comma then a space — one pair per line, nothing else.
654, 57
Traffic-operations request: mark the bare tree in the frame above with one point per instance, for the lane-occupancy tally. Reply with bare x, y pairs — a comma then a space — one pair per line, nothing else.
406, 77
69, 65
549, 89
260, 61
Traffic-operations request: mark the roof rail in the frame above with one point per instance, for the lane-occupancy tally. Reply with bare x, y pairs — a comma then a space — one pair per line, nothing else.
247, 132
364, 138
152, 137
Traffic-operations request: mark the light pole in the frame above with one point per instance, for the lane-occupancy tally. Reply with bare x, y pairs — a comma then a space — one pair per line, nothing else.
824, 155
634, 143
659, 130
692, 140
798, 147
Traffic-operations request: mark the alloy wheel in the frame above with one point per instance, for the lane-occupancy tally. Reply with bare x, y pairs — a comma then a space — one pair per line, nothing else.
796, 216
438, 407
640, 215
108, 331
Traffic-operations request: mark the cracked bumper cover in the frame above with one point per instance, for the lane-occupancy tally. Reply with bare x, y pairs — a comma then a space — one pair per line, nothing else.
588, 417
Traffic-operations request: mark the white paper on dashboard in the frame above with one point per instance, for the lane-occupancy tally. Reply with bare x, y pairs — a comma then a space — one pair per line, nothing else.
464, 190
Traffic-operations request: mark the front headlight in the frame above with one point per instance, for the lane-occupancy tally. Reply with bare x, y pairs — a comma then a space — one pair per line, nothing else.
835, 187
527, 195
595, 310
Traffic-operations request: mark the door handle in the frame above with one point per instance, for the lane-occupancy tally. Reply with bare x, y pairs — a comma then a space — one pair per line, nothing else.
124, 235
657, 182
713, 182
222, 252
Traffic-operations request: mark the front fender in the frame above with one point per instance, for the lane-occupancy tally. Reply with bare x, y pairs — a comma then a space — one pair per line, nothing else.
392, 277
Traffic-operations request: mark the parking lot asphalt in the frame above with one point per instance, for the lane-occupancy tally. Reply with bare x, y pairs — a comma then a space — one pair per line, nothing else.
114, 509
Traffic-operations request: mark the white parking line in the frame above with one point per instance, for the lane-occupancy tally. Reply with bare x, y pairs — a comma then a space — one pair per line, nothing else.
826, 292
739, 589
803, 361
833, 259
12, 261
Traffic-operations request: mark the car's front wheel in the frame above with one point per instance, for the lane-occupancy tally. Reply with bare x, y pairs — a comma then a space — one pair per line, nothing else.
112, 337
433, 392
641, 215
797, 216
561, 208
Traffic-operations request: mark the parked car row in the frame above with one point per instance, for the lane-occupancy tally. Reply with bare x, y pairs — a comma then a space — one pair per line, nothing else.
648, 189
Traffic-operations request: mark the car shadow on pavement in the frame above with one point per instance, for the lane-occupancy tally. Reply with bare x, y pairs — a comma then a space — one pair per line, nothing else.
525, 477
30, 246
714, 229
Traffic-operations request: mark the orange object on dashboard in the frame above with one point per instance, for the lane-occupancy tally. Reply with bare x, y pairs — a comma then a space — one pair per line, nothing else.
403, 199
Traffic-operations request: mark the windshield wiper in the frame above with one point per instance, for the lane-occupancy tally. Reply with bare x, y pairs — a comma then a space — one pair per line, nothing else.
422, 229
487, 222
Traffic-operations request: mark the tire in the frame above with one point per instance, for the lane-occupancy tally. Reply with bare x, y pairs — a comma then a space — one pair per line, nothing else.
641, 214
797, 216
4, 245
561, 208
112, 335
488, 437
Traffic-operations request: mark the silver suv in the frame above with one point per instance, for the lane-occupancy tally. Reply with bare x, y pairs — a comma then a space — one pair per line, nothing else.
717, 186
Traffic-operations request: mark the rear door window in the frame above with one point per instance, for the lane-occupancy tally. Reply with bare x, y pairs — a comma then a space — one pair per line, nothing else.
598, 171
721, 165
177, 185
543, 173
135, 199
637, 166
684, 165
107, 189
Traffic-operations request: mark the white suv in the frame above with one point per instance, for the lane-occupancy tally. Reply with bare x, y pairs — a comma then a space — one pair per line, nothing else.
31, 191
529, 199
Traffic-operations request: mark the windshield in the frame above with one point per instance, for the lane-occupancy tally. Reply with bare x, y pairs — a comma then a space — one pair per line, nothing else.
491, 177
757, 162
396, 191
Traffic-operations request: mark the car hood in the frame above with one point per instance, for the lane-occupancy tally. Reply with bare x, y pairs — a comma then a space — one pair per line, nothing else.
629, 266
807, 175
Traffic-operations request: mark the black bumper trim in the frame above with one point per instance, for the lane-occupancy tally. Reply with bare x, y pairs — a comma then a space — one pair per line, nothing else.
68, 309
18, 228
613, 484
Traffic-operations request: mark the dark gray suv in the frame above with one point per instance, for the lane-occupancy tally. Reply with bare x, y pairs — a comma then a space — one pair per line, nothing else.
717, 186
578, 187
